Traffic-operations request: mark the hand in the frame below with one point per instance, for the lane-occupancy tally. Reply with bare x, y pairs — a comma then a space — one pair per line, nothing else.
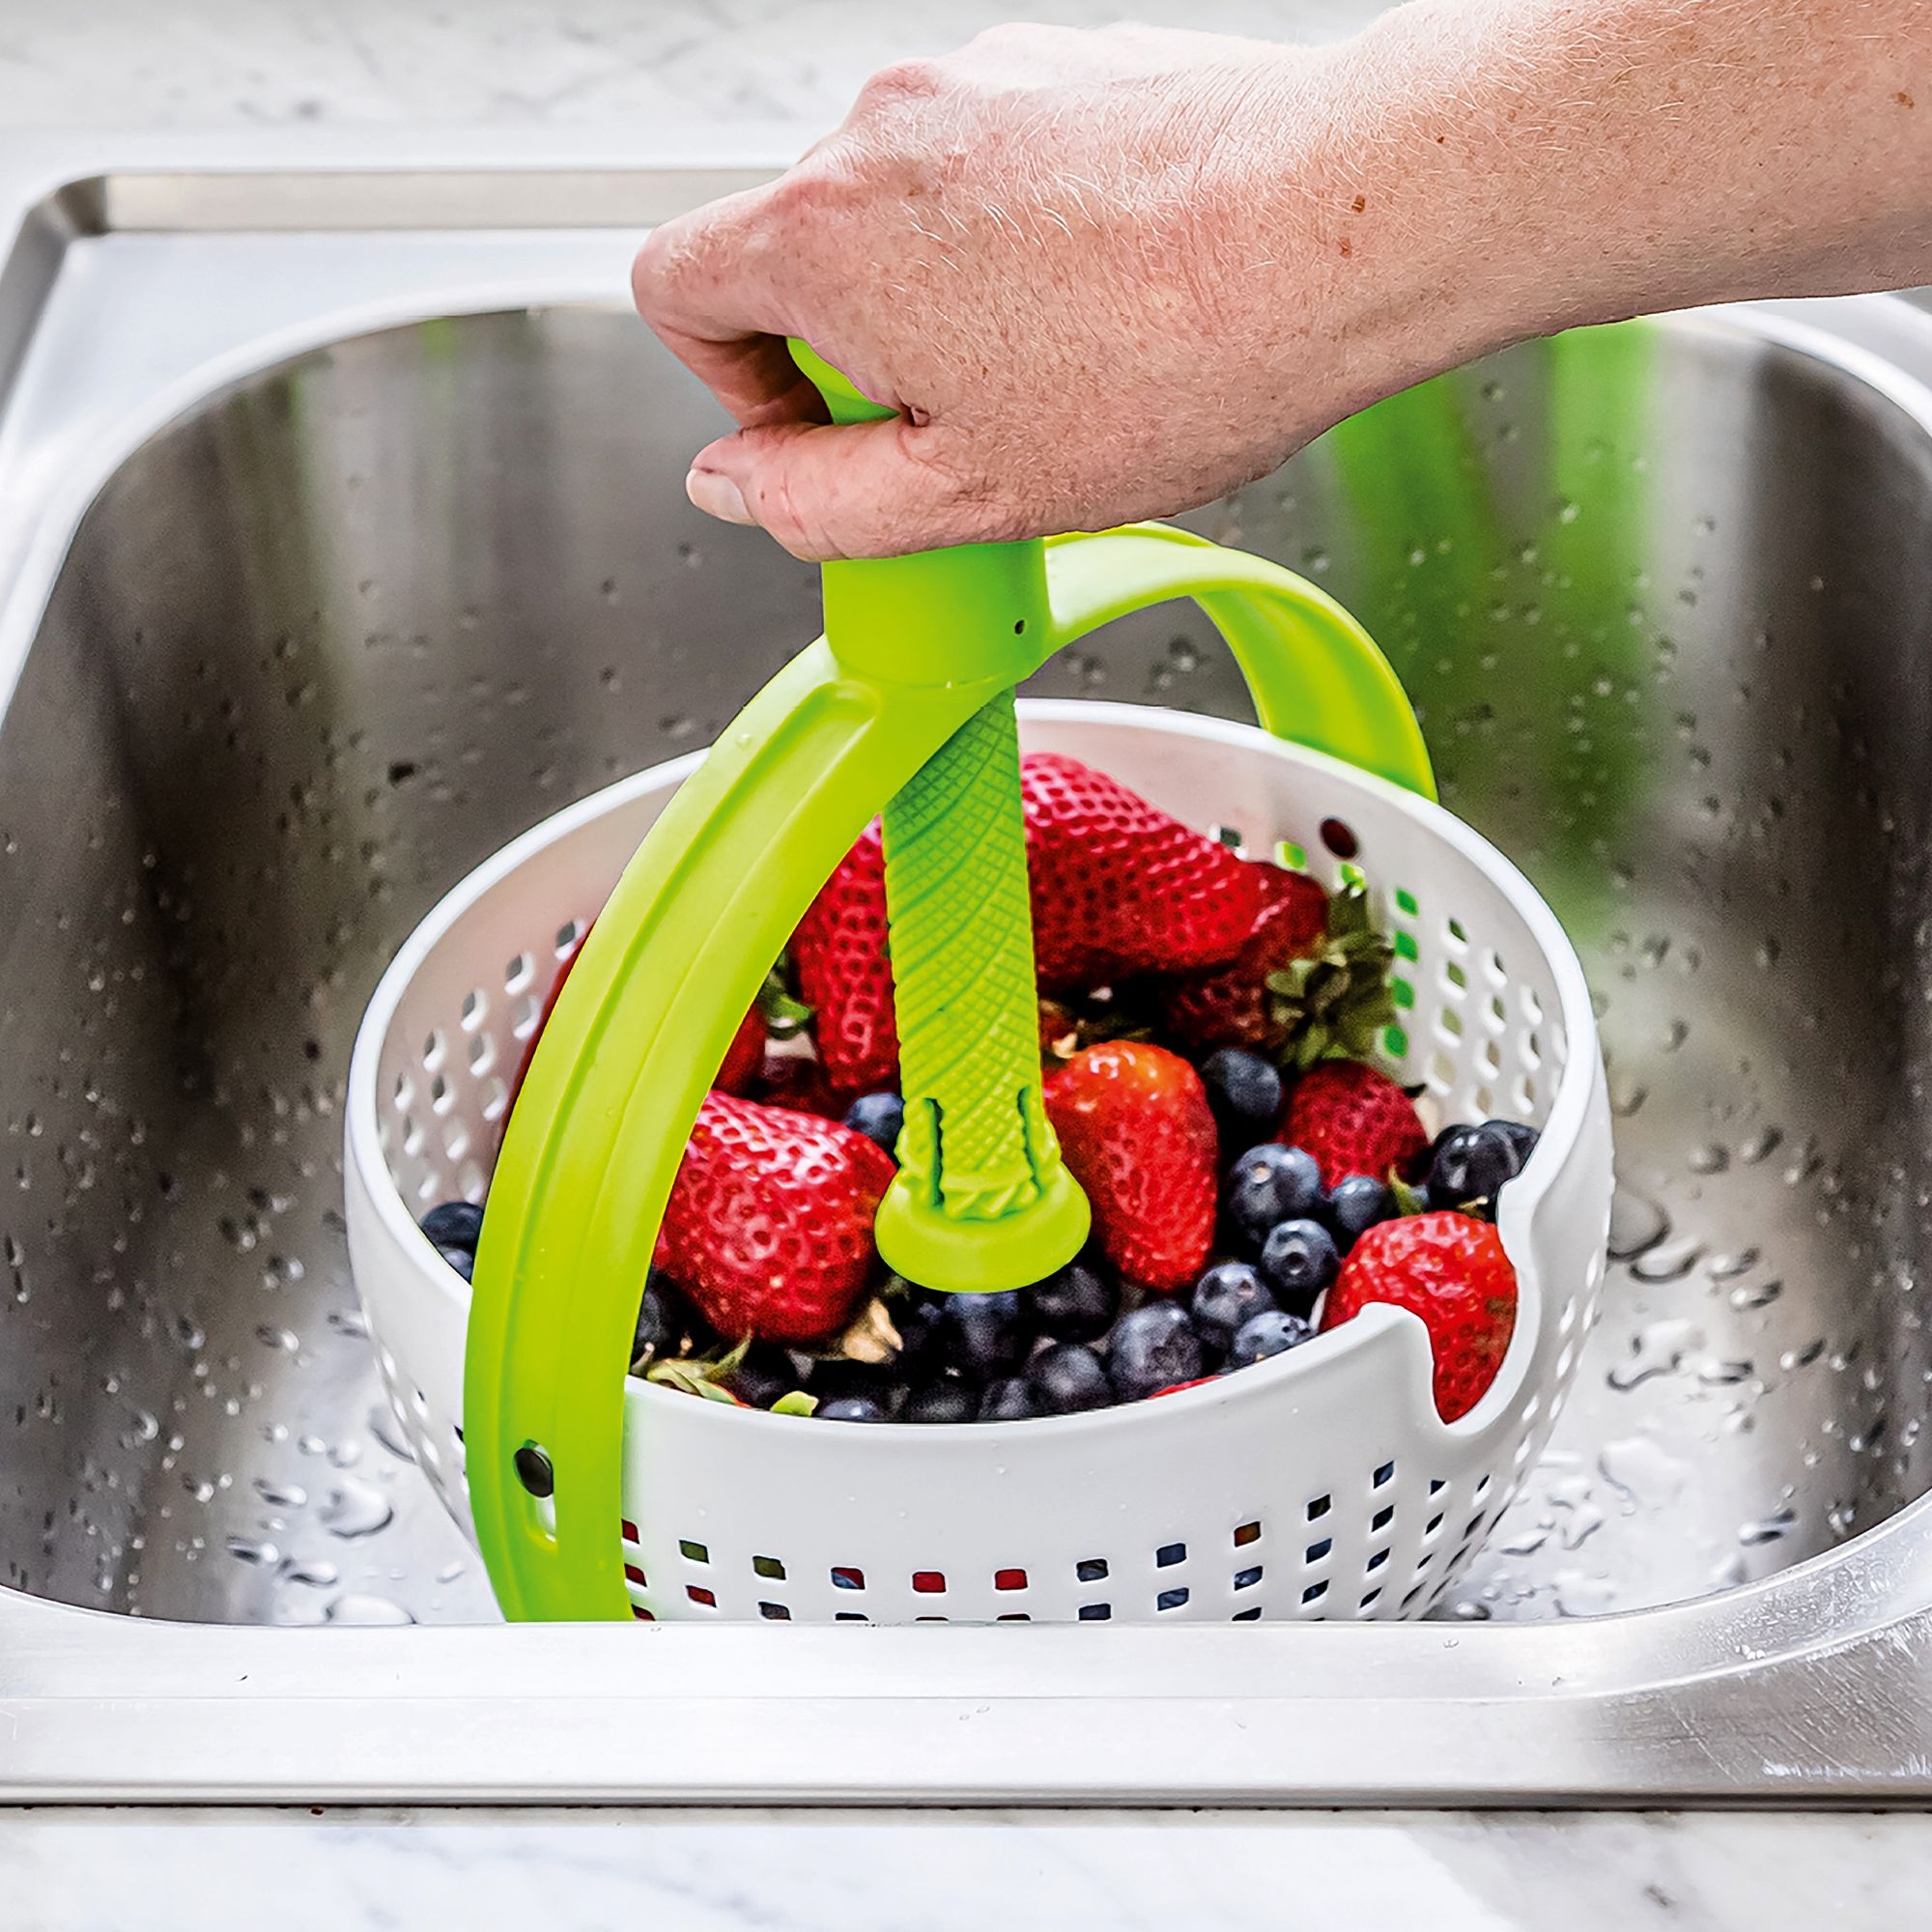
1097, 272
1106, 275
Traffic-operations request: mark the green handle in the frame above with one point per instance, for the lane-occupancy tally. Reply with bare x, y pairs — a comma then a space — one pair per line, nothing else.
982, 1199
905, 707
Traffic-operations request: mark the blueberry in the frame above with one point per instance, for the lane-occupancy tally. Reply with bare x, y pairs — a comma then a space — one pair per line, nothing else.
462, 1259
1224, 1297
1244, 1091
660, 1320
1519, 1135
1272, 1332
920, 1316
983, 1335
1298, 1261
1151, 1349
943, 1401
850, 1408
838, 1379
1470, 1164
764, 1375
1008, 1399
1269, 1184
879, 1116
1075, 1303
1355, 1204
454, 1224
1067, 1378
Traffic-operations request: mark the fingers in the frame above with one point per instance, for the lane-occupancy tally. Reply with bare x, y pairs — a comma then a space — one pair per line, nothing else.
703, 283
868, 490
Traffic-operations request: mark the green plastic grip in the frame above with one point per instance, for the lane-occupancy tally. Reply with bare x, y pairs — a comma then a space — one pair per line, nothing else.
917, 666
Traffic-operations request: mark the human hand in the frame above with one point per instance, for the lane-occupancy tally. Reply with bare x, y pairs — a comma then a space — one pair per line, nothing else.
1103, 275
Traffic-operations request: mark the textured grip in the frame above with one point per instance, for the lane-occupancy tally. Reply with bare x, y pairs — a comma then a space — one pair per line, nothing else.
976, 1142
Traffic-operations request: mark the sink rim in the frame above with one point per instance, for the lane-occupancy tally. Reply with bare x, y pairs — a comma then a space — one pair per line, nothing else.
1687, 1700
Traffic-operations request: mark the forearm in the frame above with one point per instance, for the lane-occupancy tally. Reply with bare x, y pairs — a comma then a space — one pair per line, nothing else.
1566, 162
1112, 275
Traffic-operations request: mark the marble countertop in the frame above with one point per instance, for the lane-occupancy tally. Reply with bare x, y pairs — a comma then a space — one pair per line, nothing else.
595, 1871
613, 64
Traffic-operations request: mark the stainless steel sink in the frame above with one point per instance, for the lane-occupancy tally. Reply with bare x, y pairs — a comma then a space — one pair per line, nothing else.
342, 536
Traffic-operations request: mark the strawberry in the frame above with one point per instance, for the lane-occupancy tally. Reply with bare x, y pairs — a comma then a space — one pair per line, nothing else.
1355, 1120
769, 1226
1450, 1269
799, 1082
1229, 1004
1135, 1127
744, 1057
1119, 888
845, 973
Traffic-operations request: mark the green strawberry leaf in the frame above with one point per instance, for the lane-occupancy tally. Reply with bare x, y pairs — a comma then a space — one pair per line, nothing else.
782, 1011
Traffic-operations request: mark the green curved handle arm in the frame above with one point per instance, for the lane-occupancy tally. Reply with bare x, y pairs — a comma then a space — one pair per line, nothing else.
1316, 676
906, 706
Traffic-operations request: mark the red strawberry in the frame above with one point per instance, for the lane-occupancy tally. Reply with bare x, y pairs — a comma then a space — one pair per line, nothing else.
845, 974
799, 1082
1118, 887
1450, 1269
1231, 1006
769, 1227
744, 1057
1135, 1128
1355, 1120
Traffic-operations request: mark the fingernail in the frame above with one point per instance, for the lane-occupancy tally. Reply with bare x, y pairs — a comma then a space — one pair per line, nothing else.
718, 496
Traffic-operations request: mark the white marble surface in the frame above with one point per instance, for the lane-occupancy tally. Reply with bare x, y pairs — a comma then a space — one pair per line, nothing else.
595, 1871
611, 64
228, 63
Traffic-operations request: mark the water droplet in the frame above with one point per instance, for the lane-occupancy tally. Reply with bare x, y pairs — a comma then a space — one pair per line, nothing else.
1580, 1594
1656, 1350
1712, 1157
1727, 1267
1649, 1475
280, 1495
1636, 1223
355, 1607
1768, 1529
1759, 1146
1671, 1261
1627, 1096
1730, 1573
244, 1552
387, 1431
355, 1509
1756, 1294
314, 1572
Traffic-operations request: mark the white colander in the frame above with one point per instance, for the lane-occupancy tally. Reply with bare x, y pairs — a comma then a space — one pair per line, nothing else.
1318, 1484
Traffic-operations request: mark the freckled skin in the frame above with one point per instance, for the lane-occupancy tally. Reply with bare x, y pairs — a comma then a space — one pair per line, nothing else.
1114, 274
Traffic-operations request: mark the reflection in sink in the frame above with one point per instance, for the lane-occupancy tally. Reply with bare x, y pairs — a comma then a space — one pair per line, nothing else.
334, 637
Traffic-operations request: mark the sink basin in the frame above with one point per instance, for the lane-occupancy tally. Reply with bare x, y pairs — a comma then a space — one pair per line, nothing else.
383, 558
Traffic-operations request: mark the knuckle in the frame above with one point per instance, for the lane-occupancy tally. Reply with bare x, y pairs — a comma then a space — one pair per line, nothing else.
902, 80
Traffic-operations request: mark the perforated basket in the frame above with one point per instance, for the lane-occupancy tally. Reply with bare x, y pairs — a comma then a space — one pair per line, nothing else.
1320, 1484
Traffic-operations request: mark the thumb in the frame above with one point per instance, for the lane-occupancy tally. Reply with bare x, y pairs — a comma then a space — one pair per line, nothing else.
876, 489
